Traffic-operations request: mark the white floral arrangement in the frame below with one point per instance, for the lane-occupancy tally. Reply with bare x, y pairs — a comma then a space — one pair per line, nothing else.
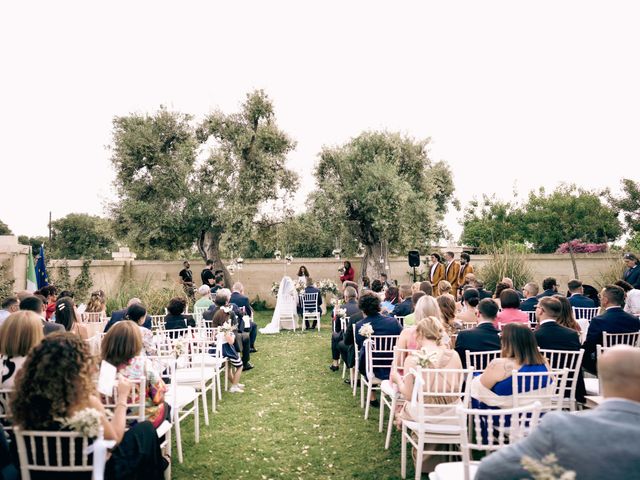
547, 468
239, 260
87, 421
336, 253
327, 286
179, 348
231, 269
226, 328
366, 330
335, 302
300, 286
277, 254
289, 258
425, 358
275, 286
341, 312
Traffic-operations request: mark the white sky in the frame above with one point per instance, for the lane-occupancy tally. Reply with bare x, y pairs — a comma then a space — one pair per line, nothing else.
517, 94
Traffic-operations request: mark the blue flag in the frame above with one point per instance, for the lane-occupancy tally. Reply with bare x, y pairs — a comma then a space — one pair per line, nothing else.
41, 270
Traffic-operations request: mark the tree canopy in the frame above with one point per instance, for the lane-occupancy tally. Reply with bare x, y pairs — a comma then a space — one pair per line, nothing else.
385, 191
179, 184
79, 235
4, 229
492, 222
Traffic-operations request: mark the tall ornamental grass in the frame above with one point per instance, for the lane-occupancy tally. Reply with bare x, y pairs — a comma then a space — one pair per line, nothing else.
507, 260
154, 298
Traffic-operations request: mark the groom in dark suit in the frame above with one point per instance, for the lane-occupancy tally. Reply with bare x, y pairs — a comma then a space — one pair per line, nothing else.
484, 337
613, 320
309, 308
239, 299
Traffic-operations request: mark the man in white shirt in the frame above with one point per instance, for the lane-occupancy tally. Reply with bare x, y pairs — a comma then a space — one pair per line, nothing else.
631, 298
9, 305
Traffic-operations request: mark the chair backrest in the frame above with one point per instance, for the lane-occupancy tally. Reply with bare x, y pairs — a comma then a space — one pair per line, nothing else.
355, 344
157, 322
480, 360
135, 400
95, 343
570, 360
547, 388
309, 302
469, 325
533, 320
611, 339
585, 312
435, 388
45, 451
400, 319
197, 314
5, 412
344, 322
379, 352
93, 317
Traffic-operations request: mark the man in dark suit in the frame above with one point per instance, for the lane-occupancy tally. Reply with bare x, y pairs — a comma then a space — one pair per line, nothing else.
530, 297
632, 273
118, 315
241, 301
482, 293
550, 287
354, 314
613, 320
310, 288
577, 298
552, 336
405, 307
35, 304
484, 337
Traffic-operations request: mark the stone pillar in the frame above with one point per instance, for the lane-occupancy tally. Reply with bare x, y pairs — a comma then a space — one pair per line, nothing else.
15, 257
127, 256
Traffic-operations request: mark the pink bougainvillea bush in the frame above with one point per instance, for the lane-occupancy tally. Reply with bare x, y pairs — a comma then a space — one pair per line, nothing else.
581, 247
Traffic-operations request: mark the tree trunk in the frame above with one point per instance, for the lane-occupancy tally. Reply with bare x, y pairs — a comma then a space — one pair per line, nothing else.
573, 262
209, 247
371, 265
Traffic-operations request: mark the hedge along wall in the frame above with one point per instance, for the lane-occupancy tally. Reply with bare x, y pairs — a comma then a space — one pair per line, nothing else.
258, 275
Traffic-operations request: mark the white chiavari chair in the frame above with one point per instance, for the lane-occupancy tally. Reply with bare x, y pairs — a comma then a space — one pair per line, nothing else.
586, 313
570, 360
310, 309
389, 395
378, 354
533, 320
157, 322
547, 388
480, 360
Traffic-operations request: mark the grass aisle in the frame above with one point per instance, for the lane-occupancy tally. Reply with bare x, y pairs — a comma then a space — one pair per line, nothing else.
296, 420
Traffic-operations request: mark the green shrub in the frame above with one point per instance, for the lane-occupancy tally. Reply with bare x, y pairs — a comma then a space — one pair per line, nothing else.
6, 282
610, 274
507, 260
80, 286
154, 298
258, 304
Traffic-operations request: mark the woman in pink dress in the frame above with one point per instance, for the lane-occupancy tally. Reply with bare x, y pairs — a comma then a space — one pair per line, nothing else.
511, 312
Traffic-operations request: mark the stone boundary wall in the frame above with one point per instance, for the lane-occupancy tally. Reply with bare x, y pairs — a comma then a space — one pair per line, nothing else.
258, 275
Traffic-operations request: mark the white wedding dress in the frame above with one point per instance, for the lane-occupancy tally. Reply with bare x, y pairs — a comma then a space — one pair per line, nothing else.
285, 313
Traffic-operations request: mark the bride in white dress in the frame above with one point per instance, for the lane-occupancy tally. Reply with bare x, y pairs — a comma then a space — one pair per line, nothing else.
285, 313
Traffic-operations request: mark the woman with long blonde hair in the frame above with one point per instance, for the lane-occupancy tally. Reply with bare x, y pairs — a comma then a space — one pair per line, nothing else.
427, 306
19, 334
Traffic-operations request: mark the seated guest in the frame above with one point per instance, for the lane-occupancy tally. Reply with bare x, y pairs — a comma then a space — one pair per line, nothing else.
493, 388
613, 320
19, 334
118, 315
566, 318
431, 342
66, 316
347, 340
509, 283
405, 306
370, 306
366, 283
511, 312
482, 293
469, 305
9, 305
484, 337
391, 298
205, 297
631, 297
376, 288
530, 297
122, 347
350, 305
56, 382
616, 423
577, 298
427, 306
137, 314
410, 319
500, 287
448, 310
426, 287
230, 353
240, 300
384, 280
468, 281
550, 287
444, 288
175, 318
310, 289
97, 303
219, 283
50, 293
36, 305
553, 335
241, 338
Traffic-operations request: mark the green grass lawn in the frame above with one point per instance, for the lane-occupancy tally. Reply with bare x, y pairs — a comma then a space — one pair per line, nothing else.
296, 420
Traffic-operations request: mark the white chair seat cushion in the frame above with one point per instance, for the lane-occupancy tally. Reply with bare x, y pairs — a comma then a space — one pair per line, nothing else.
592, 385
453, 471
194, 375
386, 387
435, 428
184, 396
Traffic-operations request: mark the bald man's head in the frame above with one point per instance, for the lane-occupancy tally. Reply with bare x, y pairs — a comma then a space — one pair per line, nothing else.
619, 371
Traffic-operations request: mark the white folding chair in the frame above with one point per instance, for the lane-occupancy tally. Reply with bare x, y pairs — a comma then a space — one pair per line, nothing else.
94, 322
378, 354
533, 320
389, 396
547, 388
436, 395
356, 366
344, 322
197, 315
135, 400
42, 452
484, 430
157, 322
480, 360
400, 319
5, 411
310, 309
585, 312
611, 339
570, 360
469, 325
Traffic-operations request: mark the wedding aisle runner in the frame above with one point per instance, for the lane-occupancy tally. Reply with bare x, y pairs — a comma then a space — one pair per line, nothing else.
296, 420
